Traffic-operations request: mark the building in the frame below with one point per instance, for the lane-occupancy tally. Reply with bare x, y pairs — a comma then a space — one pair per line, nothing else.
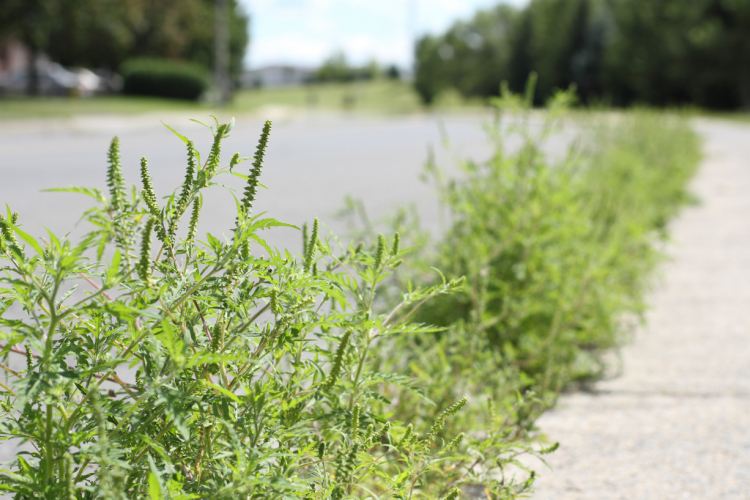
277, 76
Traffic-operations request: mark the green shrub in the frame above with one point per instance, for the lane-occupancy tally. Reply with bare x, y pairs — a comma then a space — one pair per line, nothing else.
164, 78
255, 369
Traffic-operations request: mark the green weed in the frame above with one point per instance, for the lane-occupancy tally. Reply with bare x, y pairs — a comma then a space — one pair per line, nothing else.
558, 252
165, 364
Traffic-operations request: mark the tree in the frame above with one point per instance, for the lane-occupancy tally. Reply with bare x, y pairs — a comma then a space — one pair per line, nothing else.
473, 57
104, 33
554, 38
558, 35
30, 21
431, 73
674, 52
659, 52
337, 69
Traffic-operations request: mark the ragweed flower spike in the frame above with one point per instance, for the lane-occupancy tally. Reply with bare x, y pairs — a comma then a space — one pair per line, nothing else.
252, 181
234, 161
212, 163
321, 450
380, 254
149, 196
452, 495
245, 250
187, 187
115, 179
274, 302
384, 431
7, 232
148, 193
29, 358
346, 467
216, 337
144, 263
406, 439
396, 243
194, 219
368, 434
305, 237
189, 178
101, 422
355, 422
440, 421
454, 443
379, 435
338, 359
312, 246
70, 490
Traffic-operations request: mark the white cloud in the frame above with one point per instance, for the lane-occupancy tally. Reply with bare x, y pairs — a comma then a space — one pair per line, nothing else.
305, 32
294, 49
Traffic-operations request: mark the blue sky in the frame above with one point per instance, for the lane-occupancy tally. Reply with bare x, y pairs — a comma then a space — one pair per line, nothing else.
305, 32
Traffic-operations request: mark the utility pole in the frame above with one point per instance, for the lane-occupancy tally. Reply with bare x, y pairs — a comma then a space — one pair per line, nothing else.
412, 22
221, 59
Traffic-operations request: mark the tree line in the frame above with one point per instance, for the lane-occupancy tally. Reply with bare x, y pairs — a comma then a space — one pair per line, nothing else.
617, 52
105, 33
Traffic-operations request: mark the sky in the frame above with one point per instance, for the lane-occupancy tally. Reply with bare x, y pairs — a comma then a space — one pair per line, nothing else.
306, 32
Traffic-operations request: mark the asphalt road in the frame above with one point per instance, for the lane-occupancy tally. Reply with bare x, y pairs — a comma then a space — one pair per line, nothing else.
312, 164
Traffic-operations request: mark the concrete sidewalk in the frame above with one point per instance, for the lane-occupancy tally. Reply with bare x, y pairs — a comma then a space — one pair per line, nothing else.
676, 423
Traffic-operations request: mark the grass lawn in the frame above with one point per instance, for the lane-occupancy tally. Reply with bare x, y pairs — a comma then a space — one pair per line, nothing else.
393, 97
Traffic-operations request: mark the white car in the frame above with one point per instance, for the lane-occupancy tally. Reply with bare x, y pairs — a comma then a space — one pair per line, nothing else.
54, 80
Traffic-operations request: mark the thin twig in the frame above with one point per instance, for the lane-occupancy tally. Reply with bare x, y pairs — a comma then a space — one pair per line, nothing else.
94, 285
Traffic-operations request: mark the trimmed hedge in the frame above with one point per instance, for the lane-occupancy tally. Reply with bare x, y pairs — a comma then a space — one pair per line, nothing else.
164, 78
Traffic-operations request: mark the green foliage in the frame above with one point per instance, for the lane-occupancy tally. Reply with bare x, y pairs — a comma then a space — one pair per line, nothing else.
164, 78
661, 52
430, 78
557, 254
561, 40
258, 373
672, 52
337, 69
472, 57
104, 33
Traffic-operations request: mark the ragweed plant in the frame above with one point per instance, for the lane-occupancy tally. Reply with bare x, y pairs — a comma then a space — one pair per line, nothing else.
557, 250
142, 364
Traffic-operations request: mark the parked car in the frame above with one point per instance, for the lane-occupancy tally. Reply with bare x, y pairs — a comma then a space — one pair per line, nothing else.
54, 80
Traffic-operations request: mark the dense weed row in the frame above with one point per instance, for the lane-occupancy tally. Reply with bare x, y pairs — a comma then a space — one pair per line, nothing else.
260, 373
557, 255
